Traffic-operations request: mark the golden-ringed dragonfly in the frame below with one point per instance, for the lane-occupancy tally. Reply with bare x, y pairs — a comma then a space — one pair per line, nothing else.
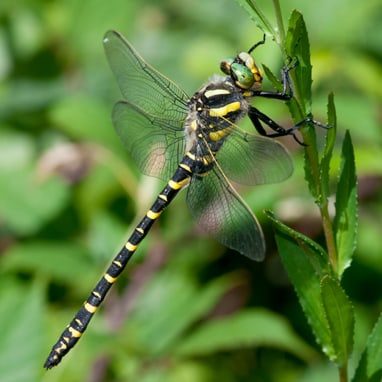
195, 142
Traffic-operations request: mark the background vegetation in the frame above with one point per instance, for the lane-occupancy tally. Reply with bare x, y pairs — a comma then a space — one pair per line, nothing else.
186, 309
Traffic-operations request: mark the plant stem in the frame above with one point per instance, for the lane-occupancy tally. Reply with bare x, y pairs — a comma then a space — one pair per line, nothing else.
329, 236
319, 192
343, 373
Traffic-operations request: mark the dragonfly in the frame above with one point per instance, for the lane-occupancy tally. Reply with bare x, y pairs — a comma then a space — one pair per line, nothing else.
191, 143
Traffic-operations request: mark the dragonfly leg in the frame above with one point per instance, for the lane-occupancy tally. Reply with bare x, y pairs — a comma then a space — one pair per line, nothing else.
257, 117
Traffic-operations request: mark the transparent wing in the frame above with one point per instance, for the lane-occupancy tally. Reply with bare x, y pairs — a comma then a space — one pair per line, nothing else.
152, 142
253, 159
141, 84
150, 121
219, 210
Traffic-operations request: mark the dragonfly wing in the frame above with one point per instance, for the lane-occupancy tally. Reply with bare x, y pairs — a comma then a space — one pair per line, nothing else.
141, 84
156, 152
253, 159
150, 121
220, 211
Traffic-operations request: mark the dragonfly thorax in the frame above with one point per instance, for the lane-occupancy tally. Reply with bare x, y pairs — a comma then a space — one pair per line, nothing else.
214, 111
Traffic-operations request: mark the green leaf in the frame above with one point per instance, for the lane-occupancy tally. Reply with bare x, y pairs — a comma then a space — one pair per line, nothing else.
21, 334
340, 316
370, 367
317, 255
253, 327
297, 47
306, 264
346, 217
328, 150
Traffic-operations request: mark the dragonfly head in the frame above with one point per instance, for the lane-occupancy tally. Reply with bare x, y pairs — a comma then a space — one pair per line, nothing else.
243, 70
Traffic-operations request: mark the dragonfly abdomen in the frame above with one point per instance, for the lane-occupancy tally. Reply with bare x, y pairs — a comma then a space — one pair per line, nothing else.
79, 323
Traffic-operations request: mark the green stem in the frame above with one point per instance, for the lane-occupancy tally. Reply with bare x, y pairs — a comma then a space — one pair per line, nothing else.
343, 373
329, 238
322, 202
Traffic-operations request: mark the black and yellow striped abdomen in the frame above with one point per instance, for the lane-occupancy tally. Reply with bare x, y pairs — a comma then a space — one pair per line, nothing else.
79, 323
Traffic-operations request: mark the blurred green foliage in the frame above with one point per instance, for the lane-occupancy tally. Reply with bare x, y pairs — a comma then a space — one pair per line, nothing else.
186, 309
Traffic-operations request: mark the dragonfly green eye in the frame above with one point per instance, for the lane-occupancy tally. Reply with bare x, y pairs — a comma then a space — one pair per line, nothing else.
243, 71
243, 76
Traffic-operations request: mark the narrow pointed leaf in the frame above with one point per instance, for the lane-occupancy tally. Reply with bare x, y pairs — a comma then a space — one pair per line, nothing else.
340, 316
346, 217
297, 47
328, 150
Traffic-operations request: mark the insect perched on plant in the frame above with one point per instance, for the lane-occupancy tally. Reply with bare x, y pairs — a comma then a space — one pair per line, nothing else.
195, 142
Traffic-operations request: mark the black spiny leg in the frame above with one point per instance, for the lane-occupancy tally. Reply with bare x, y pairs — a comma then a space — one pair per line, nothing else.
257, 116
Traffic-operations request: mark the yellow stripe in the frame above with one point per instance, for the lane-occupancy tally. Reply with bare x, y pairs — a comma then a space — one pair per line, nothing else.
224, 110
90, 308
130, 247
163, 197
96, 294
185, 167
117, 263
174, 185
178, 185
220, 134
207, 160
153, 215
190, 155
211, 93
61, 348
75, 333
109, 278
140, 230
